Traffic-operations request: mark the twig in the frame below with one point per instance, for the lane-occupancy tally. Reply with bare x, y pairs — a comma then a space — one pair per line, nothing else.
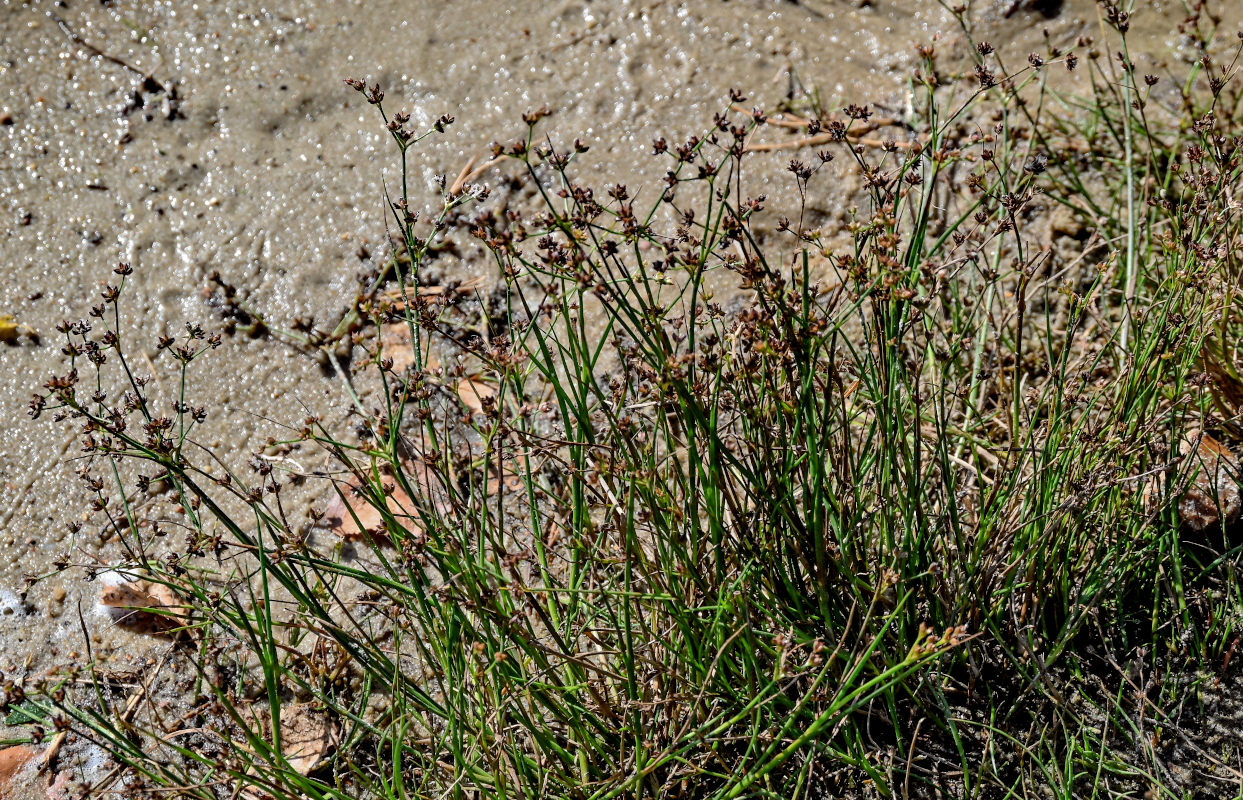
460, 181
52, 750
467, 174
910, 759
795, 122
93, 50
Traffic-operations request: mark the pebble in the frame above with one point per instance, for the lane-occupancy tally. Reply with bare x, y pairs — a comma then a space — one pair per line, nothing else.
56, 606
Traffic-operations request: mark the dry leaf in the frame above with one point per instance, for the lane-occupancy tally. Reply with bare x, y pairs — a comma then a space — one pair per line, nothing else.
473, 392
143, 606
12, 760
396, 344
61, 783
366, 518
509, 481
338, 519
1214, 495
306, 737
397, 297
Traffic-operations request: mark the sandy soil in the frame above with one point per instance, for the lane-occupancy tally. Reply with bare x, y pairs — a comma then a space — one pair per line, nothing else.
185, 138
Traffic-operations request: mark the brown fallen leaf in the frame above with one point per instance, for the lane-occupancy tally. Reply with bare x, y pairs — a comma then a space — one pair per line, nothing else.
396, 344
508, 481
307, 736
143, 606
355, 516
338, 519
12, 760
473, 392
61, 783
1213, 496
397, 297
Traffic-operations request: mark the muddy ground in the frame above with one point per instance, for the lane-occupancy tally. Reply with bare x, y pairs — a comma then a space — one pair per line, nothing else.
186, 138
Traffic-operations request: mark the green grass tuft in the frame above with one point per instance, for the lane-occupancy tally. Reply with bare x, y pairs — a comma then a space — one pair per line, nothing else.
900, 517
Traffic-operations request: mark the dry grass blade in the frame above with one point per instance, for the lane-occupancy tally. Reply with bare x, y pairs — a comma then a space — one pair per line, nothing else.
470, 172
826, 138
795, 122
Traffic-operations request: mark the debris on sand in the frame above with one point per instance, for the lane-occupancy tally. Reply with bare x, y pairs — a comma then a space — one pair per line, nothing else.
307, 737
473, 392
141, 606
11, 330
397, 346
1213, 497
351, 514
12, 761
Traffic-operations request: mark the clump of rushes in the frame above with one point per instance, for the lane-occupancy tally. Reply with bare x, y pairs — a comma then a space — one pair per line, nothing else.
886, 523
